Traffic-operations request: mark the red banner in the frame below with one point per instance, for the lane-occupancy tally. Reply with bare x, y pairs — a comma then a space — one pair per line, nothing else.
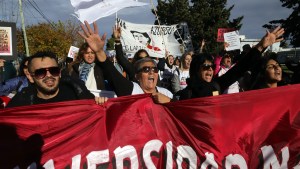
256, 129
221, 31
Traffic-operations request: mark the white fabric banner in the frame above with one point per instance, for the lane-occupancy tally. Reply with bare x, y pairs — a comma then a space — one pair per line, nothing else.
153, 38
92, 10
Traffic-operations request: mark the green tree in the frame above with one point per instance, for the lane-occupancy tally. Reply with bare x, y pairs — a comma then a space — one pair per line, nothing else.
110, 43
55, 37
291, 24
203, 18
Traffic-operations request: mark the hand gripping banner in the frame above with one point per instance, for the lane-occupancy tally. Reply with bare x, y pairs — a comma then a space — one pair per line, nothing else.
256, 129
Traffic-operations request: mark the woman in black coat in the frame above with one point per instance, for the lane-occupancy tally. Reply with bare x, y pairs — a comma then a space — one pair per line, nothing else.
201, 82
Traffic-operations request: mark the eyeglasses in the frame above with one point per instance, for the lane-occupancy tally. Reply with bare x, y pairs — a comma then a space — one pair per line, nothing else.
208, 66
41, 73
147, 69
272, 66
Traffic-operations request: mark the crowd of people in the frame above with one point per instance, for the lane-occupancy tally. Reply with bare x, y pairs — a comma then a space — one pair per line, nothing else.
193, 75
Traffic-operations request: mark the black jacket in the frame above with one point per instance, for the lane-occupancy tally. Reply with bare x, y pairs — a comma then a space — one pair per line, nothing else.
199, 88
98, 73
69, 89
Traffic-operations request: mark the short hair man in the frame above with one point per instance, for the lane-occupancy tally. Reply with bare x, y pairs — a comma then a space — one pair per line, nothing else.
48, 86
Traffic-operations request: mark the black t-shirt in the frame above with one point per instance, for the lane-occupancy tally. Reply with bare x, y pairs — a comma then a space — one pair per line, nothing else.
67, 91
64, 94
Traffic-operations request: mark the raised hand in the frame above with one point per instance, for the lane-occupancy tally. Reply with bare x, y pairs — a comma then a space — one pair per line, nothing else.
271, 37
92, 37
117, 32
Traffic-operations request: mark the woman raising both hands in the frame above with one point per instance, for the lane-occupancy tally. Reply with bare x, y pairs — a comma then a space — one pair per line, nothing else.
146, 71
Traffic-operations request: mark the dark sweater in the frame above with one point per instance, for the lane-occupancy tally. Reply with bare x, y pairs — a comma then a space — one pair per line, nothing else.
69, 89
199, 88
98, 74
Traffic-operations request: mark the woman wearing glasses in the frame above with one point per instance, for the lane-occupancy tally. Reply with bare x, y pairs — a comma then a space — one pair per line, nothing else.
127, 66
201, 82
146, 72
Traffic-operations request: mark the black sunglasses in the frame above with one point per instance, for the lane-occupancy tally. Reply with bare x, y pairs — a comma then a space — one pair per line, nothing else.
147, 69
41, 73
208, 66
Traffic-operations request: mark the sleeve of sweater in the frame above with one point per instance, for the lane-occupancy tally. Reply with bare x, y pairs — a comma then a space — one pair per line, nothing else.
119, 83
126, 65
237, 71
175, 83
10, 85
161, 64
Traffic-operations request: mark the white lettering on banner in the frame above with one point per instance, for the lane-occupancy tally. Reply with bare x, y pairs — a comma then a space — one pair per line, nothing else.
121, 154
186, 152
270, 159
235, 160
169, 155
297, 166
97, 157
209, 161
76, 162
150, 146
49, 164
126, 152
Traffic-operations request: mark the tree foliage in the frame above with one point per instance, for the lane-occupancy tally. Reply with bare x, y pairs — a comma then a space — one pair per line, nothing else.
55, 37
110, 44
291, 24
203, 18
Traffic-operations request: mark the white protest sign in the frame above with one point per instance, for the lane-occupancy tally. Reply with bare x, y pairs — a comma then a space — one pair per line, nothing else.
73, 51
155, 39
233, 40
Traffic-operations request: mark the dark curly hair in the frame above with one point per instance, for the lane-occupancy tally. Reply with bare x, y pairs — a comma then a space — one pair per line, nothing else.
42, 55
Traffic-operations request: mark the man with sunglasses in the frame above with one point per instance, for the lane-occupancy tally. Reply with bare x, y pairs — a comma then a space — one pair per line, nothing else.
48, 86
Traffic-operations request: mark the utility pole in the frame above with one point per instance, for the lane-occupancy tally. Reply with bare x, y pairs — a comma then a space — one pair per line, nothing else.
23, 28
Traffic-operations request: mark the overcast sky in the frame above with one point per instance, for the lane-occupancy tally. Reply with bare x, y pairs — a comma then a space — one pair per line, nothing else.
256, 13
